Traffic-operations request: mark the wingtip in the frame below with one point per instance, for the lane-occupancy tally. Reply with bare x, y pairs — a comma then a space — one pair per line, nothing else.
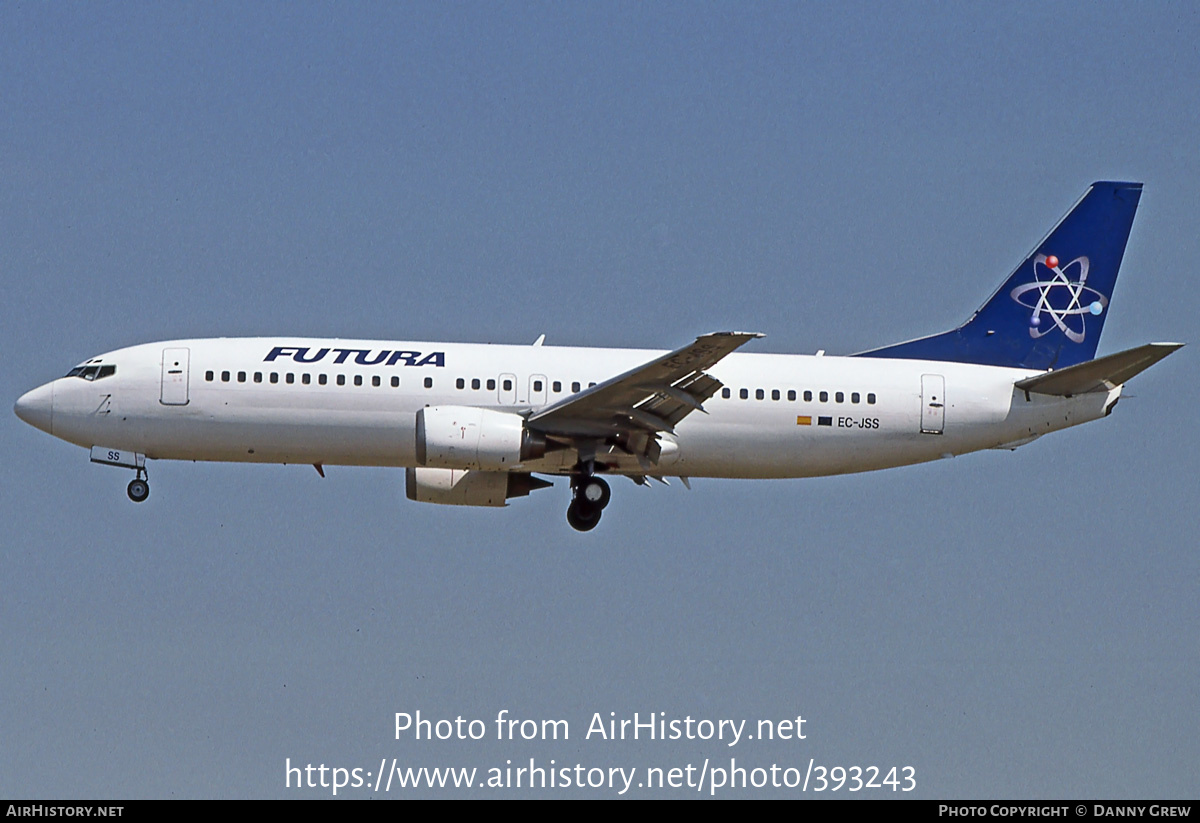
745, 335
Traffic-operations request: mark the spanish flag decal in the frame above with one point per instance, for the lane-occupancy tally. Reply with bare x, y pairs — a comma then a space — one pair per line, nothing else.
803, 420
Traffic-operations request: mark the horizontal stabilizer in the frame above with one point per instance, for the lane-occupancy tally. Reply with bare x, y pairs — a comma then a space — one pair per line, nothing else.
1101, 374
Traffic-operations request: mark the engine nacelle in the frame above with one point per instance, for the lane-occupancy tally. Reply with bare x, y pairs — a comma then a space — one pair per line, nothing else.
454, 487
465, 437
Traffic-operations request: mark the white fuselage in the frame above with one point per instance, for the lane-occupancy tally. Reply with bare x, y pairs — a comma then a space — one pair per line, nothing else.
354, 402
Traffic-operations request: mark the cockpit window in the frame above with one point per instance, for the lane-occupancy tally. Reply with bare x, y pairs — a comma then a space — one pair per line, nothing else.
92, 372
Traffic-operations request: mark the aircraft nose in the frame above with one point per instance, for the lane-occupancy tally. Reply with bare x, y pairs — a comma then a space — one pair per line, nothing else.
37, 407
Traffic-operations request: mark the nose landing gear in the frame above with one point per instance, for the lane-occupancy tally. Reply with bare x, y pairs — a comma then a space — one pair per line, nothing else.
138, 489
589, 496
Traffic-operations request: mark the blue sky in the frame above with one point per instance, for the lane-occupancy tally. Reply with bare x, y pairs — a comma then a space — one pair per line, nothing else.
836, 176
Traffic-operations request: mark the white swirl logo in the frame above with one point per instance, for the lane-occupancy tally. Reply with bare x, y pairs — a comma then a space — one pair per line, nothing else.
1048, 297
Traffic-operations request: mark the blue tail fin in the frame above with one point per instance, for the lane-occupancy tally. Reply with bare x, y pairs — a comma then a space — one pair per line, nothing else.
1050, 311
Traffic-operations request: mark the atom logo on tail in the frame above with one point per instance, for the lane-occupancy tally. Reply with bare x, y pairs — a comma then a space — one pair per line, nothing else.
1048, 297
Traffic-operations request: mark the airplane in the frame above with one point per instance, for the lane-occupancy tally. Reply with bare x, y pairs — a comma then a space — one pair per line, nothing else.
474, 424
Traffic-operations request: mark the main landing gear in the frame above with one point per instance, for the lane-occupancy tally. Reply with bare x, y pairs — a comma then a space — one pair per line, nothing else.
589, 496
138, 489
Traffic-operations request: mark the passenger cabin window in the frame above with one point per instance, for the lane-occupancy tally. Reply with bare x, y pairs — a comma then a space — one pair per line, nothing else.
839, 397
460, 383
274, 377
375, 381
871, 398
224, 377
758, 394
208, 375
341, 379
306, 378
807, 397
824, 397
241, 377
258, 377
575, 387
429, 382
291, 378
475, 382
491, 385
854, 397
358, 379
744, 394
322, 379
507, 384
395, 382
774, 394
537, 385
557, 386
791, 394
725, 393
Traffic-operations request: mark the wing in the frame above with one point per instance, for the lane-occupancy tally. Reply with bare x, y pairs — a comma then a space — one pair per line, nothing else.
630, 409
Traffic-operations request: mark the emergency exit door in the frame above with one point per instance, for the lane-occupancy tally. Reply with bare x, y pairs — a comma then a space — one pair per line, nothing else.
506, 385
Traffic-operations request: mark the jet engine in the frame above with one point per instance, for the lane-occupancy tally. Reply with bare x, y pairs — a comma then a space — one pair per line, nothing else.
464, 437
454, 487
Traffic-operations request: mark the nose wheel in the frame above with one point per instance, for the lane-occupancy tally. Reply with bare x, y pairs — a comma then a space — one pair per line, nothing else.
589, 496
138, 489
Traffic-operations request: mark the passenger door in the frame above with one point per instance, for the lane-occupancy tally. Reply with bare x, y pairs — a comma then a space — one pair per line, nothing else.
933, 403
175, 377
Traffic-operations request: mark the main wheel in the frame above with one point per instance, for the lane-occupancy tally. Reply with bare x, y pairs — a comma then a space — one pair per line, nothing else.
595, 492
582, 516
138, 490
